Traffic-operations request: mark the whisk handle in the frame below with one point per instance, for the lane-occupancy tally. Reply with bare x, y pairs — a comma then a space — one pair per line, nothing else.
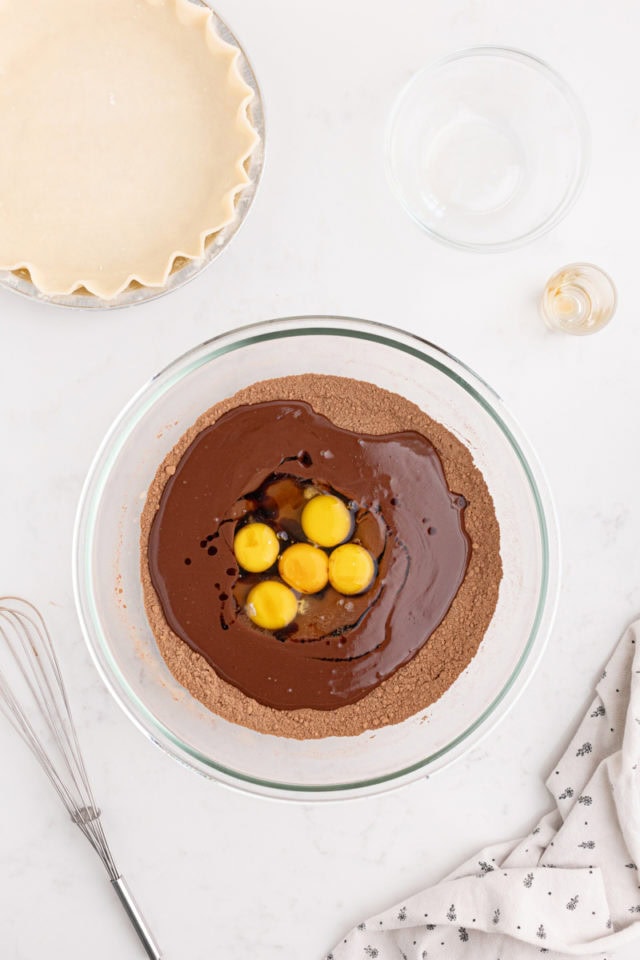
137, 920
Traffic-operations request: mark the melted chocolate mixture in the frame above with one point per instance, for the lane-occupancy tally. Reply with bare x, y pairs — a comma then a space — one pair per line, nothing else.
255, 463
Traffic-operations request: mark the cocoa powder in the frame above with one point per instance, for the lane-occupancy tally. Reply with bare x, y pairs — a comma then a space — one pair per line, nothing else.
364, 407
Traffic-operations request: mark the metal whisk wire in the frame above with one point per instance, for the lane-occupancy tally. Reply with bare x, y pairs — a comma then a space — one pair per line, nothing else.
34, 700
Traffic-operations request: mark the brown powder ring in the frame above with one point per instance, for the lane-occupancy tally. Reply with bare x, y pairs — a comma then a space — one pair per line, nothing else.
366, 408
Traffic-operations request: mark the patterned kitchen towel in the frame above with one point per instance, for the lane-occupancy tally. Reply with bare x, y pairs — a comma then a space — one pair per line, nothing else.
569, 889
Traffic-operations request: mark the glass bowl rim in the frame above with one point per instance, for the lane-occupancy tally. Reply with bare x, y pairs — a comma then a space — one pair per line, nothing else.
583, 158
96, 483
217, 241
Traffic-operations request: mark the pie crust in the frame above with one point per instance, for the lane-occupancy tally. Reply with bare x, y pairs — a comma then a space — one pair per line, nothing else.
125, 134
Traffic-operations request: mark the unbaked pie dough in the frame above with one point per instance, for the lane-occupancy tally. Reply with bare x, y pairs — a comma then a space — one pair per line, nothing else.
124, 138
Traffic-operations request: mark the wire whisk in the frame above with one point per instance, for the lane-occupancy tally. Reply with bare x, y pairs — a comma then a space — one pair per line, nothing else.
34, 700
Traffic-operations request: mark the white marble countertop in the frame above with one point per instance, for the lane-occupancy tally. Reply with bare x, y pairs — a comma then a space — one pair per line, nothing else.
222, 874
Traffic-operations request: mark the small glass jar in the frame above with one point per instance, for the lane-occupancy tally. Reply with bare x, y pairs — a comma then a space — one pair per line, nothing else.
579, 299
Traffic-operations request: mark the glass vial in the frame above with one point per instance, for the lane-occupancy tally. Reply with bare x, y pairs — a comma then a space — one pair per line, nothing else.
580, 299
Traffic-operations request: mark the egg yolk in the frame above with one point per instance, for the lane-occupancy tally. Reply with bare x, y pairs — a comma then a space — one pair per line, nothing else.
256, 547
326, 520
271, 605
351, 569
304, 567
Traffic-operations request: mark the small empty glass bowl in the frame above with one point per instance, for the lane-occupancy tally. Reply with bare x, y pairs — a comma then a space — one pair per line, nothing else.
487, 149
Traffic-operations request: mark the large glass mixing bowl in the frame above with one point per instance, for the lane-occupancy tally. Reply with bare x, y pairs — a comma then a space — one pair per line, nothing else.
109, 593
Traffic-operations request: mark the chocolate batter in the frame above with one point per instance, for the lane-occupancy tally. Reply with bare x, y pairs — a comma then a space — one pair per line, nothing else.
365, 408
254, 462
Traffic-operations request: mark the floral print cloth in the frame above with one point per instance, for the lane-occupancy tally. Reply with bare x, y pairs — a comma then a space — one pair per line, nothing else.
570, 888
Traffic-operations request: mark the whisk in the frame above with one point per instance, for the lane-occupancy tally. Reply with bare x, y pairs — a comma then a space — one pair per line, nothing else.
34, 700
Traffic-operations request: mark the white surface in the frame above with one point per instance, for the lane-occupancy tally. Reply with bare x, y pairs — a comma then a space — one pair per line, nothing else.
225, 875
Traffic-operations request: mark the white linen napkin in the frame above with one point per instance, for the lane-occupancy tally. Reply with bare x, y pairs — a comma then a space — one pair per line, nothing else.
570, 888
